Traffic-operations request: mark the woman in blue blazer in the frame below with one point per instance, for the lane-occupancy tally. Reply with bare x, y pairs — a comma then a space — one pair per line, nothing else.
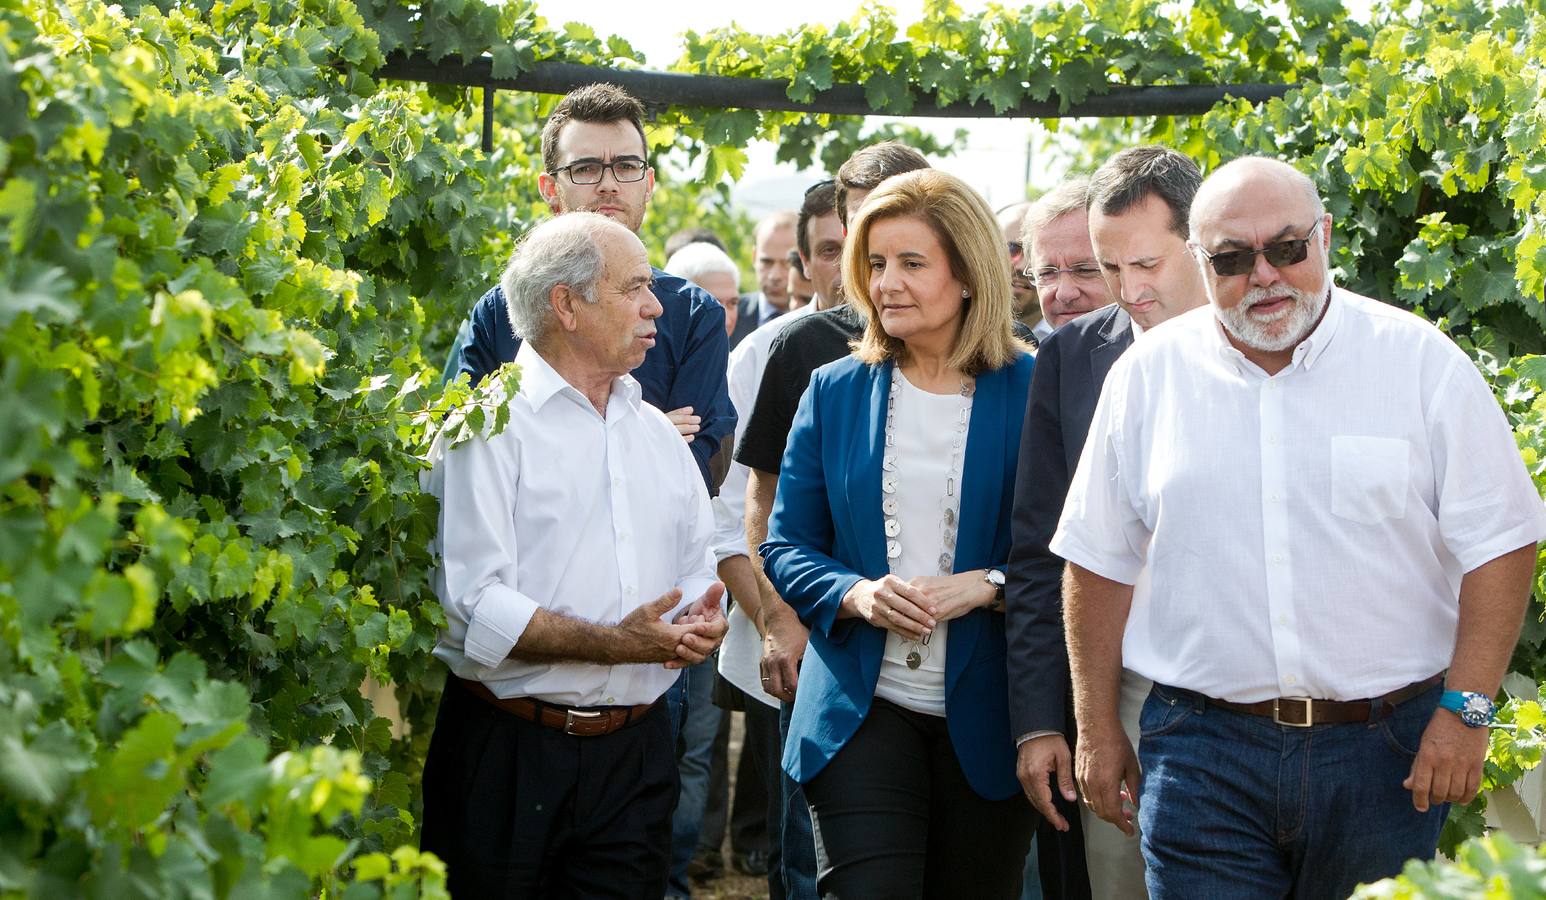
888, 538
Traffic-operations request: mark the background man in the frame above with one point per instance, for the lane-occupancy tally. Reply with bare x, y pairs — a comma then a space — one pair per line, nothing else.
1011, 219
594, 159
711, 268
1296, 493
774, 238
550, 771
801, 291
1061, 261
1138, 201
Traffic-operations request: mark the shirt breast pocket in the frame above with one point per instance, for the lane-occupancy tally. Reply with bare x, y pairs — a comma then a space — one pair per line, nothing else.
1370, 478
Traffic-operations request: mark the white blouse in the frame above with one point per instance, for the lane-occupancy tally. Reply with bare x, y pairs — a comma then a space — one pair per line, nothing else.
924, 426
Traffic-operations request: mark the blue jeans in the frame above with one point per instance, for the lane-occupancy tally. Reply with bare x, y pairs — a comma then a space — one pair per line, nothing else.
797, 838
697, 741
1234, 805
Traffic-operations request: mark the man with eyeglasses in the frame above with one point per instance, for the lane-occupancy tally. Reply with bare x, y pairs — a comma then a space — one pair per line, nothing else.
1059, 261
1137, 207
595, 158
1301, 512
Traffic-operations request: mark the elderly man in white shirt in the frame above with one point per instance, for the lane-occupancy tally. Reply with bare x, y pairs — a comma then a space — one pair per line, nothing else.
571, 544
1297, 508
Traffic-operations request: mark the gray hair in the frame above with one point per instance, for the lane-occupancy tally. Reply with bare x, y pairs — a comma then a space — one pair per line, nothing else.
698, 259
1068, 196
562, 250
1233, 170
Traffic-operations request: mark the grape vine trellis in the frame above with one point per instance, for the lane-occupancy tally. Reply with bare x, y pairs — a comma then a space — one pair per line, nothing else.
231, 252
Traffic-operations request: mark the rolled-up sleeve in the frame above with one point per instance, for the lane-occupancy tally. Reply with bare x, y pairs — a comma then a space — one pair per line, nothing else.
1100, 529
480, 484
1488, 505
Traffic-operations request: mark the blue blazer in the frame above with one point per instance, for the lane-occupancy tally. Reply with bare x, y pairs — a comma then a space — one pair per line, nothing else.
826, 534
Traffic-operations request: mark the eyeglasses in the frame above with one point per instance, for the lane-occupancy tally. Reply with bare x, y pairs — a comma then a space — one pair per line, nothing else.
1280, 255
824, 183
589, 171
1048, 276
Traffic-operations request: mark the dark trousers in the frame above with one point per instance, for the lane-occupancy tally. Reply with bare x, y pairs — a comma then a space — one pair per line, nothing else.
763, 745
895, 818
517, 809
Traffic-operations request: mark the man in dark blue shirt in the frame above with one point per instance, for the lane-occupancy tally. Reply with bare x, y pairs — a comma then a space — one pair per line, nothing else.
593, 156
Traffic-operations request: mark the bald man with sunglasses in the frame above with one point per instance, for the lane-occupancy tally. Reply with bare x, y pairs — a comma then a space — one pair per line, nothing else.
1301, 514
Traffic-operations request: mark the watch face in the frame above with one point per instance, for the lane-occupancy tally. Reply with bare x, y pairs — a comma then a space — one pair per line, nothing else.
1477, 710
996, 577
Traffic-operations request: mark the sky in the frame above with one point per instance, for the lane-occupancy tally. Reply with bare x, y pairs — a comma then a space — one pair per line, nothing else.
994, 161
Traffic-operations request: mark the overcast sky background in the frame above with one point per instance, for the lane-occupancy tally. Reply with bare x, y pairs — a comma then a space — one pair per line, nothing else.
994, 161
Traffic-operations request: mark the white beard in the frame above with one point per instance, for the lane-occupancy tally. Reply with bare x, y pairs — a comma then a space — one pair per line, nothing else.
1285, 329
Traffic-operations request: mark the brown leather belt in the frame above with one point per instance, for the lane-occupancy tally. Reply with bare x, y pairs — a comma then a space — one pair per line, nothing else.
1302, 712
576, 722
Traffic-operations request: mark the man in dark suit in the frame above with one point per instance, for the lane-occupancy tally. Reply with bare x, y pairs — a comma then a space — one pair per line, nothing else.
1137, 204
774, 239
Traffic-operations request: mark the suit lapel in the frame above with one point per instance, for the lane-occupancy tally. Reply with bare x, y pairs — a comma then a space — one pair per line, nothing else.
1116, 336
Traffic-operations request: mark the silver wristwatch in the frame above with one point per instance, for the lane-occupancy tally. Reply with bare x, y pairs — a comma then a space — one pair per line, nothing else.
995, 578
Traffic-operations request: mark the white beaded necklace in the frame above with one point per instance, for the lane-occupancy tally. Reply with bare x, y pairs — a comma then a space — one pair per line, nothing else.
950, 502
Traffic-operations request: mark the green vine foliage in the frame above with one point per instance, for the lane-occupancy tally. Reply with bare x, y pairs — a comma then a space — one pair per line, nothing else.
232, 260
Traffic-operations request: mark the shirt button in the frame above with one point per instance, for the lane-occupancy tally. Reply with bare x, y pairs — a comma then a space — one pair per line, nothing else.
1277, 557
1272, 439
610, 701
1283, 620
1273, 499
1290, 680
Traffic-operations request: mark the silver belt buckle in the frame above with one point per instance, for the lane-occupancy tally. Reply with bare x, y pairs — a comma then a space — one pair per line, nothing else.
1309, 712
571, 714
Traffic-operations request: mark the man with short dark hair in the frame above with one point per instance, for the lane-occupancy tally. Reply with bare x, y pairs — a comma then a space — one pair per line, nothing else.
866, 169
595, 158
1302, 513
1136, 201
550, 771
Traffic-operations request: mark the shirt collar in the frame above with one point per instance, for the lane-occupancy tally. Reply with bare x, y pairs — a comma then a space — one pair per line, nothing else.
766, 311
540, 383
1307, 351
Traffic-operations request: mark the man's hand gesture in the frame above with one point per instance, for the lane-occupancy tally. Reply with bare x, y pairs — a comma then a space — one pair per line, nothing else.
644, 637
707, 617
1039, 759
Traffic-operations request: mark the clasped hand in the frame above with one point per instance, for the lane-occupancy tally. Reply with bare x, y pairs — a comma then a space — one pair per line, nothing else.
914, 607
684, 641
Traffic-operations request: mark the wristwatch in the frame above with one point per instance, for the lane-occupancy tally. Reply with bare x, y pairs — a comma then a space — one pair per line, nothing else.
1475, 710
995, 578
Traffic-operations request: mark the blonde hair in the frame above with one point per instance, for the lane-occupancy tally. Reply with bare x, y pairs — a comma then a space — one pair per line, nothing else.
974, 245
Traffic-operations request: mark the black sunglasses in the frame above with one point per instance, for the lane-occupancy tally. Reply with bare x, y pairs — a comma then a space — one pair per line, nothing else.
1279, 255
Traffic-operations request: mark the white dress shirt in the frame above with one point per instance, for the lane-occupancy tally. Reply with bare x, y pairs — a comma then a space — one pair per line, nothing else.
569, 512
741, 653
1302, 534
